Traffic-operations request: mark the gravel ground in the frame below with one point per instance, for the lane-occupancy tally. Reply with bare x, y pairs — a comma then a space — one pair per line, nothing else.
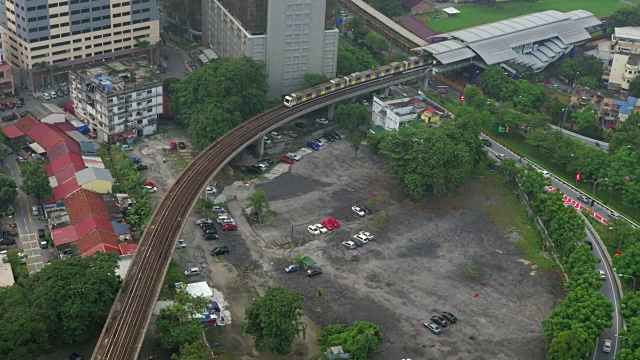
433, 256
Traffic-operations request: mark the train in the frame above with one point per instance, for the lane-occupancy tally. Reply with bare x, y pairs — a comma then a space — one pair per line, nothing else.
339, 83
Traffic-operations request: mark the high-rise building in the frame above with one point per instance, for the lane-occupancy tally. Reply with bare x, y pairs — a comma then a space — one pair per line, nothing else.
6, 71
46, 38
292, 37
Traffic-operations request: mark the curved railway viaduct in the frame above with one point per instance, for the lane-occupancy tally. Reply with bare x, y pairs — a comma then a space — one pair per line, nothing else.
122, 335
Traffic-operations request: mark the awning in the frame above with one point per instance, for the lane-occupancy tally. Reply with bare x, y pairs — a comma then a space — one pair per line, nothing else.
123, 134
83, 128
451, 10
37, 148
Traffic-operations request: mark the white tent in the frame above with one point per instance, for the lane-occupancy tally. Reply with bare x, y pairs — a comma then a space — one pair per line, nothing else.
199, 289
451, 11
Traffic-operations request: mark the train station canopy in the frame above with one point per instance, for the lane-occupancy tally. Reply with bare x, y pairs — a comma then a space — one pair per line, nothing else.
534, 40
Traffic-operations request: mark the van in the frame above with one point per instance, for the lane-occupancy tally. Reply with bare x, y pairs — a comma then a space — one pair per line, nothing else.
223, 218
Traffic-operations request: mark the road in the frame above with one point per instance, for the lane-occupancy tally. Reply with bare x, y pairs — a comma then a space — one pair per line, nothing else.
608, 286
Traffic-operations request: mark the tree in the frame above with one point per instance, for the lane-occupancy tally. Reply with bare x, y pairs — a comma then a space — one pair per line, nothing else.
495, 84
274, 320
570, 345
588, 81
588, 121
191, 351
634, 87
356, 138
376, 43
388, 8
434, 160
627, 134
625, 16
351, 117
351, 60
35, 180
178, 323
628, 262
581, 66
312, 80
258, 202
359, 339
8, 192
217, 97
358, 28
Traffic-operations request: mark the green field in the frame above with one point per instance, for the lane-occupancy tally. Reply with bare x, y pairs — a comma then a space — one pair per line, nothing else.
477, 15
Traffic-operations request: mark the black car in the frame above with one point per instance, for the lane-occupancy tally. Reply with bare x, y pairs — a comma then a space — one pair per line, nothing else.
267, 162
181, 145
312, 271
449, 317
336, 135
75, 356
584, 198
206, 226
60, 93
329, 137
486, 142
365, 209
211, 237
142, 167
300, 125
24, 113
210, 231
439, 320
220, 250
40, 233
7, 241
252, 169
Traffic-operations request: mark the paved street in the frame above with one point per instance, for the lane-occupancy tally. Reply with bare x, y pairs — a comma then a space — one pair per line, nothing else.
608, 286
28, 225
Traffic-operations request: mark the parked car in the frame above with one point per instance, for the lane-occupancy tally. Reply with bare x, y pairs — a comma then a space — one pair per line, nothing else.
439, 320
319, 142
359, 237
142, 167
327, 225
126, 147
75, 356
334, 222
321, 228
220, 250
135, 160
434, 328
313, 145
7, 241
45, 96
287, 160
229, 227
60, 93
452, 319
192, 271
267, 141
210, 231
291, 134
211, 237
275, 135
66, 91
266, 162
313, 230
606, 346
322, 121
365, 102
613, 215
23, 114
204, 221
313, 271
293, 156
349, 244
486, 142
292, 268
44, 244
545, 173
218, 209
366, 234
151, 189
357, 242
299, 125
181, 244
356, 209
222, 218
35, 211
501, 157
365, 209
41, 234
210, 190
227, 221
585, 199
11, 105
336, 135
53, 94
207, 226
182, 145
252, 169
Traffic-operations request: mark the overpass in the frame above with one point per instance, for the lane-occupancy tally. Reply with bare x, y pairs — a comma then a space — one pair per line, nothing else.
122, 335
384, 26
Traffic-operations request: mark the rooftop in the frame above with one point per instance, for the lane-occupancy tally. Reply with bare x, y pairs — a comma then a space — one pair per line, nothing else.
43, 110
118, 75
628, 32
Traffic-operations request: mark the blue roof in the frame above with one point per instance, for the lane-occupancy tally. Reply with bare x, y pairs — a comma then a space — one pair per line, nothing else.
120, 228
626, 107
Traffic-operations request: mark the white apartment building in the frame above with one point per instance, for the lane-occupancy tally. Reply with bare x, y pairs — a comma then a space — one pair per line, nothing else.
117, 99
625, 57
390, 114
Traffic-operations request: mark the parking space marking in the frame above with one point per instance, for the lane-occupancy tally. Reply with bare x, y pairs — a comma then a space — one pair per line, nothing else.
32, 249
32, 234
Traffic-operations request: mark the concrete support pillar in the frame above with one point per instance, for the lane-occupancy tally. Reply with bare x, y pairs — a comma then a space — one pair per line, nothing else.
424, 82
330, 110
260, 146
385, 92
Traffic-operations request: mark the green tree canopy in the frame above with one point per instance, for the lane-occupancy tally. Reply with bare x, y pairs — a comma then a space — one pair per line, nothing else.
177, 324
351, 116
35, 180
351, 60
624, 16
259, 202
274, 320
217, 97
311, 80
583, 66
8, 192
588, 81
359, 339
376, 43
358, 28
588, 121
570, 345
627, 134
191, 351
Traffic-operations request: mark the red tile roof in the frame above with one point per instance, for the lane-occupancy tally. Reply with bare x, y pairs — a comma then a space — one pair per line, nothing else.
64, 235
62, 191
128, 249
63, 148
57, 165
102, 248
95, 238
12, 131
416, 26
82, 204
47, 135
66, 126
93, 223
26, 123
65, 175
74, 233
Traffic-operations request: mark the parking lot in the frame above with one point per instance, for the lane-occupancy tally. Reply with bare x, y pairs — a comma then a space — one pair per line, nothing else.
437, 254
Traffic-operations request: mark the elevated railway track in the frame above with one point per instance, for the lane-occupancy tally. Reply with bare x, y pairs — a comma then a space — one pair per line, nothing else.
122, 335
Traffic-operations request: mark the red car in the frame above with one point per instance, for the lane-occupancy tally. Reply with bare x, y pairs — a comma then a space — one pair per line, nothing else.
334, 222
327, 224
229, 227
287, 160
150, 184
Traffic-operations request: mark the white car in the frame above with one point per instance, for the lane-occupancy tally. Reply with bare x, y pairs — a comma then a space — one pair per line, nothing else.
181, 244
151, 189
275, 135
545, 173
349, 244
222, 218
192, 272
322, 121
361, 237
365, 102
53, 94
603, 276
227, 221
367, 234
218, 209
321, 228
293, 156
356, 209
45, 96
126, 147
291, 134
313, 230
267, 140
211, 191
203, 221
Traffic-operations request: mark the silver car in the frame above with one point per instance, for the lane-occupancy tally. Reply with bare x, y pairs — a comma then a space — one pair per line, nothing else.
606, 346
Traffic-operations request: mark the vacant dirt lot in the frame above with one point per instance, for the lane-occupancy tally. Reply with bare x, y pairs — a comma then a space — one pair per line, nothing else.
437, 254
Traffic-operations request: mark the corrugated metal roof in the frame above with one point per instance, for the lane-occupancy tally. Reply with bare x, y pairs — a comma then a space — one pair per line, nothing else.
390, 23
450, 51
93, 173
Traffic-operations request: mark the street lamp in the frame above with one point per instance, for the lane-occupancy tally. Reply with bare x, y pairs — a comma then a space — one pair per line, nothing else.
624, 337
575, 79
633, 289
566, 110
596, 183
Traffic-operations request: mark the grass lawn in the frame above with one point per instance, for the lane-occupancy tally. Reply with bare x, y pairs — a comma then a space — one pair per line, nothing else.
477, 15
